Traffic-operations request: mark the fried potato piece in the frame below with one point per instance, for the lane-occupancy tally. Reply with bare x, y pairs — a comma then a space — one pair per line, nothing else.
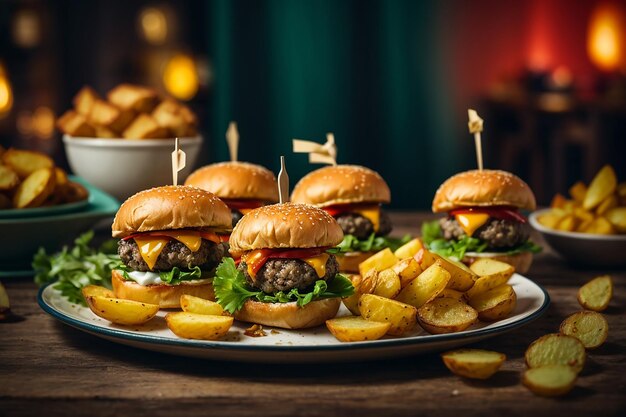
558, 201
73, 192
407, 269
425, 258
177, 118
461, 277
144, 127
35, 189
450, 293
61, 176
606, 205
96, 290
602, 185
473, 363
589, 327
198, 326
551, 219
75, 124
134, 97
5, 304
621, 193
85, 99
107, 115
356, 329
491, 274
387, 283
494, 304
24, 162
105, 132
578, 192
567, 223
376, 308
446, 315
409, 249
191, 304
8, 178
556, 349
617, 217
596, 294
550, 380
379, 261
121, 311
425, 287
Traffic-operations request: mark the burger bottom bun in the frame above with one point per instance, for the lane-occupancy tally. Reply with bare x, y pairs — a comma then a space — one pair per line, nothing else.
521, 261
289, 315
166, 296
349, 262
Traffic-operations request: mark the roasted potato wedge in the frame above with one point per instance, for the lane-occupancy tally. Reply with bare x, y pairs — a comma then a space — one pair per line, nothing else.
5, 305
450, 293
596, 294
96, 290
387, 283
75, 124
491, 274
198, 326
407, 269
461, 277
379, 261
425, 287
590, 327
578, 192
73, 192
362, 285
425, 258
409, 249
191, 304
35, 189
556, 349
8, 178
446, 315
494, 304
602, 185
550, 380
473, 363
617, 217
24, 162
121, 311
356, 329
376, 308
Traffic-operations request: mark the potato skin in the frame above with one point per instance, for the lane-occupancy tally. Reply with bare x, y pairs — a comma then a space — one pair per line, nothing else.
356, 329
434, 316
458, 362
121, 311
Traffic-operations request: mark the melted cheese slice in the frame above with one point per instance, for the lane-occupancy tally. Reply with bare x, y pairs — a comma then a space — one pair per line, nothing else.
252, 259
372, 214
469, 222
150, 248
318, 263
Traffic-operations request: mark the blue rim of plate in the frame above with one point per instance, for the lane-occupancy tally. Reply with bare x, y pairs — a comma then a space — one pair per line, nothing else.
44, 211
200, 344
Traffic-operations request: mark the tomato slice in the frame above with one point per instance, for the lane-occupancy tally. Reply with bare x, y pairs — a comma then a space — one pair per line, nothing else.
503, 212
347, 208
238, 204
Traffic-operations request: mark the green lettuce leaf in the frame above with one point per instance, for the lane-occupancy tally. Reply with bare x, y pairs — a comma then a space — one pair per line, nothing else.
372, 244
232, 291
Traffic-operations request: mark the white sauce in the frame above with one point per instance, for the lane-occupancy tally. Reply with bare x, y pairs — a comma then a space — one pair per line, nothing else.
145, 278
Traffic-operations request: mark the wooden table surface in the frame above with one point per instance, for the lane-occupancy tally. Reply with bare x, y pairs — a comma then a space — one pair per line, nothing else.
51, 369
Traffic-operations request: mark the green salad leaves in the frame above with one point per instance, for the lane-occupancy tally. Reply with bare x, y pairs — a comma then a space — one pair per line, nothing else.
432, 236
372, 244
232, 291
77, 267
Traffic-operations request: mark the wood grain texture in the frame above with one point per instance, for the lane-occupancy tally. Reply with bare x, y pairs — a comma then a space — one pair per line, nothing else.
46, 366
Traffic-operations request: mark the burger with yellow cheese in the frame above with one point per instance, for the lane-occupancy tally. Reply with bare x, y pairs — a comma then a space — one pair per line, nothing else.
353, 195
171, 240
241, 185
283, 273
483, 218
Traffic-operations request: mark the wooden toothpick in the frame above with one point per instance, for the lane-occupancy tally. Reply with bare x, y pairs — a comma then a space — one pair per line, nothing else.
476, 127
318, 154
283, 182
179, 160
232, 137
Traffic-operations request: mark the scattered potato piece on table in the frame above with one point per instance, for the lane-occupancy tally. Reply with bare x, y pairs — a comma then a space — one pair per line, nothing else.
198, 326
376, 308
34, 190
121, 311
473, 363
5, 305
356, 328
550, 380
425, 287
191, 304
446, 315
596, 294
494, 304
556, 349
590, 327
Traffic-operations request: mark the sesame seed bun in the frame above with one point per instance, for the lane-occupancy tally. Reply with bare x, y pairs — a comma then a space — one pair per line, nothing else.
289, 315
170, 207
236, 180
341, 184
483, 189
285, 226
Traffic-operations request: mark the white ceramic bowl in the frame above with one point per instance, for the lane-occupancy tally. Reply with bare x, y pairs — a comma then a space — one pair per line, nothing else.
122, 167
583, 248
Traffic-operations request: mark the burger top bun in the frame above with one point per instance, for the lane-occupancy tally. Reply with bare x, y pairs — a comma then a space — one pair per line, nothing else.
236, 180
285, 226
483, 189
170, 207
341, 184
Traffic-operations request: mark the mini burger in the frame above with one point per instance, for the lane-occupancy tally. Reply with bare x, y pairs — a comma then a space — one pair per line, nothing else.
484, 218
285, 276
171, 241
241, 185
352, 195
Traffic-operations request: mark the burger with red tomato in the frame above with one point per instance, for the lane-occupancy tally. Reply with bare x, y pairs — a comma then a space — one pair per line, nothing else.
171, 240
353, 195
284, 272
241, 185
484, 218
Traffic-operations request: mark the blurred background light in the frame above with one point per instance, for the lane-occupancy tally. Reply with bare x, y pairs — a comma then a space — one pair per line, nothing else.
606, 37
180, 77
153, 24
6, 93
43, 122
26, 28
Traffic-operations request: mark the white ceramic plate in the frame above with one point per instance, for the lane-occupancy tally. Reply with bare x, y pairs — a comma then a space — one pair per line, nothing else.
284, 346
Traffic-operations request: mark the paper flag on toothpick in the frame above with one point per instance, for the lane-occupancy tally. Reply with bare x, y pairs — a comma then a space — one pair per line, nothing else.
283, 182
179, 160
475, 125
318, 154
232, 137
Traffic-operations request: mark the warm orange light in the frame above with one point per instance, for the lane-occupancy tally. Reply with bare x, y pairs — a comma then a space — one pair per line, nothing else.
6, 93
180, 77
153, 22
43, 122
604, 41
